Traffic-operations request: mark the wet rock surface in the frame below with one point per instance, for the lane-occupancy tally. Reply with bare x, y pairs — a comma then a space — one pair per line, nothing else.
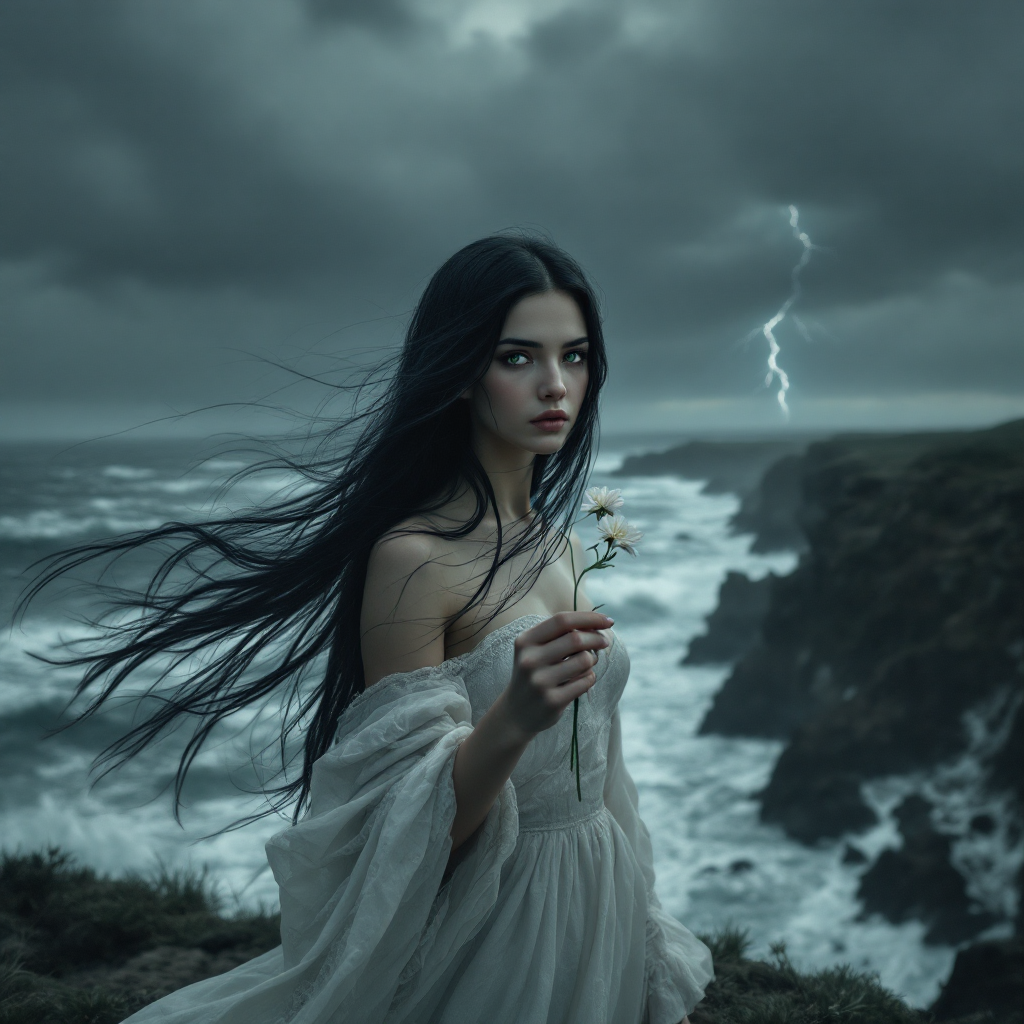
918, 882
735, 466
987, 984
771, 511
735, 624
904, 618
1007, 765
906, 612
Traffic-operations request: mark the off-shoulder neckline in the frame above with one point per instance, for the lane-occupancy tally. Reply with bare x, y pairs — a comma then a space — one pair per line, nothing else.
494, 632
445, 667
460, 659
466, 655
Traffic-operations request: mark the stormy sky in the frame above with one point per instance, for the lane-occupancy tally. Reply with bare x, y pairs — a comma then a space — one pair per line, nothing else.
196, 190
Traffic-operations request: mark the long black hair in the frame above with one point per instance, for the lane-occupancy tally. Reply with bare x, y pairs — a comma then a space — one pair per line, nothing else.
267, 602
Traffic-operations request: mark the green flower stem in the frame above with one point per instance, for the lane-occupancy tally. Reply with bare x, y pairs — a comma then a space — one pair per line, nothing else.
574, 759
603, 561
576, 747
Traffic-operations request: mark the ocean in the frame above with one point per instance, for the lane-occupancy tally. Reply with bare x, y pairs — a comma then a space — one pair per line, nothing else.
716, 863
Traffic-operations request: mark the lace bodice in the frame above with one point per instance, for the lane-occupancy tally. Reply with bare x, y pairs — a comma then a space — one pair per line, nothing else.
544, 785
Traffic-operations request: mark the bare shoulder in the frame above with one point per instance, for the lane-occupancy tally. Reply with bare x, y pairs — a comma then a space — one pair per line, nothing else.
405, 603
402, 552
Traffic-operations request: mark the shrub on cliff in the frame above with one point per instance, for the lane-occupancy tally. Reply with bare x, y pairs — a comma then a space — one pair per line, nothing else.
754, 992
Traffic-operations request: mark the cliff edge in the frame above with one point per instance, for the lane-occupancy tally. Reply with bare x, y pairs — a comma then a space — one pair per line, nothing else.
896, 649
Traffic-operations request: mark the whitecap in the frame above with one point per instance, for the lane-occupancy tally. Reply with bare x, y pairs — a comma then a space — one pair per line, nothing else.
127, 473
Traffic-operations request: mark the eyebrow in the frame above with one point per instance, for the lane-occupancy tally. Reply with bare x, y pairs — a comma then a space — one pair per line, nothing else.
536, 344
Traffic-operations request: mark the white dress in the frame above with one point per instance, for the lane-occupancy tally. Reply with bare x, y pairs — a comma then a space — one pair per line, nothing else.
549, 917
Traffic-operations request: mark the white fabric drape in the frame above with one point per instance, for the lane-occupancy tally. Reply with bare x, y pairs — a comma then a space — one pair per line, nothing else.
550, 915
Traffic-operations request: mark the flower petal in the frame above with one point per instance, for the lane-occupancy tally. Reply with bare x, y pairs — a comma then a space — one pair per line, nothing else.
602, 500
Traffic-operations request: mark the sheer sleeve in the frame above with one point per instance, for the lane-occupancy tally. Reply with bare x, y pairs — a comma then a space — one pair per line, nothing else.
369, 916
364, 896
679, 965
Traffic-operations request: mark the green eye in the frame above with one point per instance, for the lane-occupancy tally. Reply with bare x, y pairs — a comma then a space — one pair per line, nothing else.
514, 355
580, 356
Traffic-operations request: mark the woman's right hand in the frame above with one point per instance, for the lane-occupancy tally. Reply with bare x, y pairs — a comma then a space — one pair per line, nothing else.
554, 664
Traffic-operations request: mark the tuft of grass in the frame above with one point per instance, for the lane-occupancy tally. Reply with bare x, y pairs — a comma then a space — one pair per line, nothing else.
61, 918
64, 932
757, 992
729, 945
26, 998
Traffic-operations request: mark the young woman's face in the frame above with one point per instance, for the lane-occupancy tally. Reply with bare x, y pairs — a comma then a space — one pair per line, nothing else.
531, 393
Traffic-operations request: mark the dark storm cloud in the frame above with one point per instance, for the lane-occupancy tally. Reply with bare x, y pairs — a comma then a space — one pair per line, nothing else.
307, 157
896, 122
128, 162
385, 15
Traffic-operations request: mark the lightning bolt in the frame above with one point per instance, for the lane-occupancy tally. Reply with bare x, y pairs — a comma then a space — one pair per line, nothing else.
768, 328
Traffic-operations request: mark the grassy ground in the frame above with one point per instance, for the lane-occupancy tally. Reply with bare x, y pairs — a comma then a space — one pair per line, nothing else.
78, 948
754, 992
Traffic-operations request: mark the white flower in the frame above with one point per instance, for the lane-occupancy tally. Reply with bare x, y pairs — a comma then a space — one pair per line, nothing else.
605, 501
620, 532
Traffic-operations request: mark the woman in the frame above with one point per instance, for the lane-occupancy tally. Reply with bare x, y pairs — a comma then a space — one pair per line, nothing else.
444, 868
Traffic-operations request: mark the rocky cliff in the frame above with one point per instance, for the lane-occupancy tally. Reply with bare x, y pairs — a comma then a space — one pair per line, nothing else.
896, 648
734, 627
735, 466
771, 510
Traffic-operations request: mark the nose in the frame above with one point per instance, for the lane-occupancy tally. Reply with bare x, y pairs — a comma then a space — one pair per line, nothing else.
553, 388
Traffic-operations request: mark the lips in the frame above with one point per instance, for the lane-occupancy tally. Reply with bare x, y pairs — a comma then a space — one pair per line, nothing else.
551, 417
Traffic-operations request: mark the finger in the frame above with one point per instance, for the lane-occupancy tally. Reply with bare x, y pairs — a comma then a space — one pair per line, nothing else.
563, 696
566, 671
564, 622
571, 643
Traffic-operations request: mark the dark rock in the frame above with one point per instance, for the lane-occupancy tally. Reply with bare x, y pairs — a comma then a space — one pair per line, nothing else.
762, 697
734, 626
905, 612
910, 719
778, 683
918, 882
740, 867
987, 978
771, 511
853, 855
984, 824
1007, 767
824, 807
1019, 922
735, 466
